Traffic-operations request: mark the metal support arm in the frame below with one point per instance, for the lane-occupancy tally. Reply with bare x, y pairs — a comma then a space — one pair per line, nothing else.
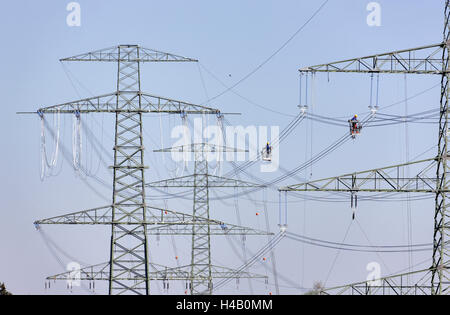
128, 53
157, 272
213, 182
421, 60
387, 179
164, 222
107, 103
391, 285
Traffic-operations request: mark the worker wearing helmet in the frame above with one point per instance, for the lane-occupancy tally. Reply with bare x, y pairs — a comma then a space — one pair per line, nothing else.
268, 148
354, 121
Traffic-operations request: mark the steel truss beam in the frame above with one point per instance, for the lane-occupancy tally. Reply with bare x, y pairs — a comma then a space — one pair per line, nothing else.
114, 54
156, 272
213, 182
421, 60
199, 147
386, 179
107, 103
392, 285
201, 269
163, 222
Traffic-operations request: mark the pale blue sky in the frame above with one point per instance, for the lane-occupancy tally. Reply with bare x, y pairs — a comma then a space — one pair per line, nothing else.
230, 38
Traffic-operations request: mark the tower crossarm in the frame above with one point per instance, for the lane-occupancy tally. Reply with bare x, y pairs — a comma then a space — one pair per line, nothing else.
100, 272
166, 222
107, 103
199, 148
391, 285
386, 179
126, 53
213, 182
216, 228
103, 216
421, 60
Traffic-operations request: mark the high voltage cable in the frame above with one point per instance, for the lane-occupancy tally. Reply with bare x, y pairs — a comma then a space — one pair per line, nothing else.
292, 172
266, 248
271, 56
343, 248
287, 132
287, 174
376, 247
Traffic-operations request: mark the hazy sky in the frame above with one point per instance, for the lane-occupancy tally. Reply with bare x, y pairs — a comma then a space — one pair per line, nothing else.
230, 38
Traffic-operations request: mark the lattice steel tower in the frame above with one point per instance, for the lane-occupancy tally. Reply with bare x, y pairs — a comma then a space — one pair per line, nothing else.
128, 214
431, 60
202, 272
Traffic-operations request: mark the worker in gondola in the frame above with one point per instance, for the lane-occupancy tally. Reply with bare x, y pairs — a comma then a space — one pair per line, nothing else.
354, 124
267, 153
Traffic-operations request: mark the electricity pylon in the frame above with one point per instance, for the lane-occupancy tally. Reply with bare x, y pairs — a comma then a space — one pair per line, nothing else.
433, 60
388, 179
201, 269
129, 264
158, 222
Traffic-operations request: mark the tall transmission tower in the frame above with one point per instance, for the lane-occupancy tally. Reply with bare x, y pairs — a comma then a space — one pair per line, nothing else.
129, 271
201, 268
433, 60
167, 222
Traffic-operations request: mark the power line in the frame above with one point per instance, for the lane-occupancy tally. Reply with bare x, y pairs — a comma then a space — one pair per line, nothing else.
272, 55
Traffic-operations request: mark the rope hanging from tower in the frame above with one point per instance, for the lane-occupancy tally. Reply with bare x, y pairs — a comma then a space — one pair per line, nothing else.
48, 166
77, 142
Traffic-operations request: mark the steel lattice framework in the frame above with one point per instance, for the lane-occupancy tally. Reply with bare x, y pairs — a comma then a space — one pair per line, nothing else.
386, 179
422, 60
156, 272
440, 280
201, 270
158, 221
128, 213
392, 285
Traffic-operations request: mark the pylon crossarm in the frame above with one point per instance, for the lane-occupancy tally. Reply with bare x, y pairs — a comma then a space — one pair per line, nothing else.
200, 147
107, 103
127, 54
103, 216
215, 228
420, 60
213, 182
95, 272
219, 272
391, 285
386, 179
100, 272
